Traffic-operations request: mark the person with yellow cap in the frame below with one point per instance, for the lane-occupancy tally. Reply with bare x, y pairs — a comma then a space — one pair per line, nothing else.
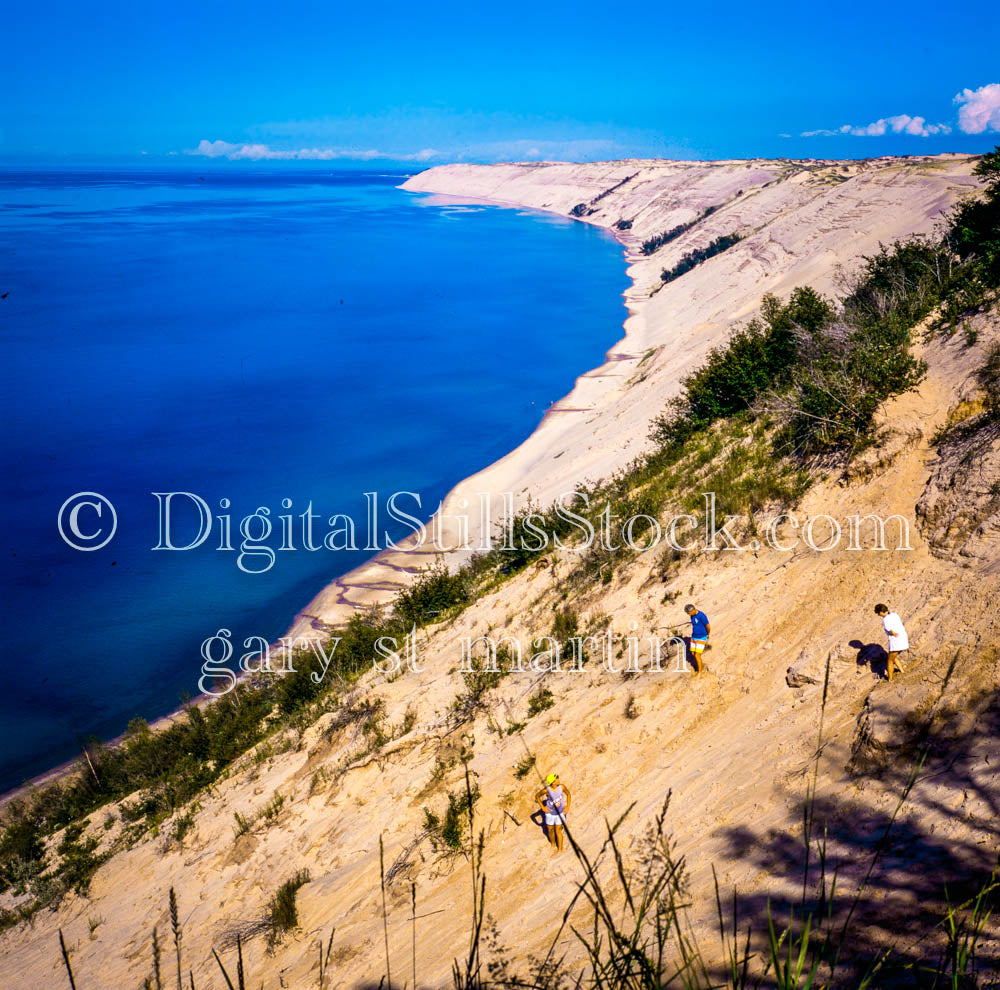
554, 799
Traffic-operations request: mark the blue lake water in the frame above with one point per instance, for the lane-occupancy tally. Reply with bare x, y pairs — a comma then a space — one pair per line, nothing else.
252, 334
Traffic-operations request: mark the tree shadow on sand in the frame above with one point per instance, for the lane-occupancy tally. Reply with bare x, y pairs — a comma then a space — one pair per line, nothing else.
877, 888
899, 863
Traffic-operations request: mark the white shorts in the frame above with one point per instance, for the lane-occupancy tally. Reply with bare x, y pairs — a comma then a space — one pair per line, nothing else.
698, 645
554, 819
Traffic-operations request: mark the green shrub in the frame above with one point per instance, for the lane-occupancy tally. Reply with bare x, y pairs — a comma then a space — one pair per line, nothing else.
479, 681
565, 624
302, 683
449, 830
975, 223
523, 767
79, 860
183, 824
540, 701
522, 543
843, 372
273, 808
823, 370
653, 244
611, 189
694, 258
282, 910
22, 852
897, 287
756, 358
436, 591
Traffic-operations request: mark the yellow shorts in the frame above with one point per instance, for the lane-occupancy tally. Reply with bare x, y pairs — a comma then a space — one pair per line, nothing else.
698, 645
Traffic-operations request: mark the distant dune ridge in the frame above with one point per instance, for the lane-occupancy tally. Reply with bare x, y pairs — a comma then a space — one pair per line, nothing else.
736, 746
800, 221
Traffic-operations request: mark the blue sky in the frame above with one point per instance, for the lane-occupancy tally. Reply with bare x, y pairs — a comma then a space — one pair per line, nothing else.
431, 82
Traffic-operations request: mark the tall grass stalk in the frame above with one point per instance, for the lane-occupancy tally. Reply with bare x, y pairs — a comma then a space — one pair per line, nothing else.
175, 926
413, 922
240, 977
958, 967
468, 976
156, 961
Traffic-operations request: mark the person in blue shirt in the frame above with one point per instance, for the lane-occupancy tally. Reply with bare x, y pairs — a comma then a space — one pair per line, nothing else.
701, 629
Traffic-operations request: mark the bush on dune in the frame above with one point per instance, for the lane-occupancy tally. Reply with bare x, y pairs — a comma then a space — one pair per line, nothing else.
694, 258
824, 368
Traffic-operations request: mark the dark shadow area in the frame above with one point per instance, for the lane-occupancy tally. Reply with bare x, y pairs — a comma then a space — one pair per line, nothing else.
871, 655
896, 876
538, 818
916, 867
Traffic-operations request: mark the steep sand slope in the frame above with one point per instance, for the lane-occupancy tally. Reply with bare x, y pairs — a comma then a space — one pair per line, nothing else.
801, 222
735, 745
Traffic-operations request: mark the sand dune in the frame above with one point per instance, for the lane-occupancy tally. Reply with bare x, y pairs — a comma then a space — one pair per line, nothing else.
801, 221
736, 746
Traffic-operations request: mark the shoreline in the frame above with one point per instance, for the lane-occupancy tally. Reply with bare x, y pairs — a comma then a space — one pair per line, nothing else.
375, 578
665, 325
63, 770
304, 623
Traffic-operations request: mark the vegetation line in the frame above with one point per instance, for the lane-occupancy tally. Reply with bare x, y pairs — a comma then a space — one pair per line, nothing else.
653, 244
695, 257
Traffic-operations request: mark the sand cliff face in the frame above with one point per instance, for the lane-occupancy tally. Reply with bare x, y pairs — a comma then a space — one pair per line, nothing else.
801, 222
735, 745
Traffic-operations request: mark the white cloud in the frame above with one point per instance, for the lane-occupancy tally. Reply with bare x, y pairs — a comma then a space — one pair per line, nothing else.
514, 150
264, 152
979, 109
902, 123
432, 134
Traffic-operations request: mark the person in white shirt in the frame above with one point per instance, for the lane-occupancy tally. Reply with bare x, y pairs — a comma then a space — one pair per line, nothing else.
896, 631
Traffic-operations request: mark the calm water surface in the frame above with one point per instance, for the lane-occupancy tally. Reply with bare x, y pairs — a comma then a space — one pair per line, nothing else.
249, 334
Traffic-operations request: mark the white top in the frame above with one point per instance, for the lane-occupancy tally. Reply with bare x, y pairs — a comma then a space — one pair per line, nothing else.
896, 631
